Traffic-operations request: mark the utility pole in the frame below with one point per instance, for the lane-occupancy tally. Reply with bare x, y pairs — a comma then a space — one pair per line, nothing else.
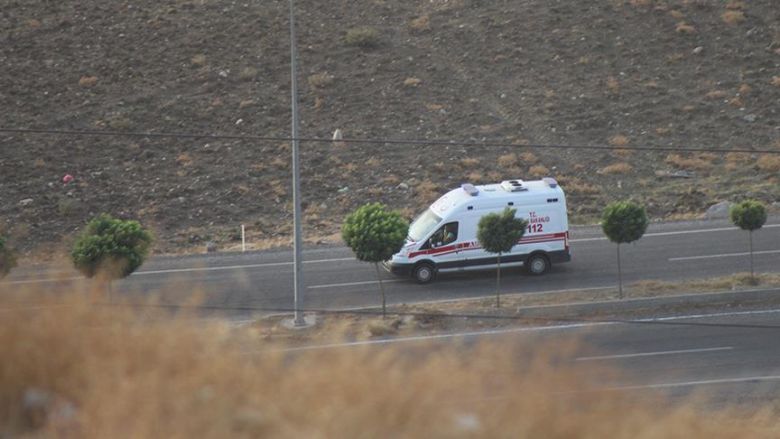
298, 291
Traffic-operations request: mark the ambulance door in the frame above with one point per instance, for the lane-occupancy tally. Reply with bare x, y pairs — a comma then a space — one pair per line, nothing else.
444, 246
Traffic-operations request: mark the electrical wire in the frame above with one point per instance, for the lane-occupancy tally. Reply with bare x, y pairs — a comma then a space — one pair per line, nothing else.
411, 142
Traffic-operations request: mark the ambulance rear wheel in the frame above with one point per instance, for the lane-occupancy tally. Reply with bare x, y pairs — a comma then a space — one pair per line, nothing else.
537, 264
423, 273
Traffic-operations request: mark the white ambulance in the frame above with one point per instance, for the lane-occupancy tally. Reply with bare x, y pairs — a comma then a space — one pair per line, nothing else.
444, 237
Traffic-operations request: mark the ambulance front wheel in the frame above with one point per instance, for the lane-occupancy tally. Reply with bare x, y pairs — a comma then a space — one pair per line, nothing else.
423, 272
537, 264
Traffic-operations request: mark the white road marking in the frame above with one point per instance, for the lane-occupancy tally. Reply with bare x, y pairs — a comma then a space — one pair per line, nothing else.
435, 337
512, 331
717, 314
653, 354
696, 383
40, 281
723, 255
679, 232
186, 270
236, 267
349, 284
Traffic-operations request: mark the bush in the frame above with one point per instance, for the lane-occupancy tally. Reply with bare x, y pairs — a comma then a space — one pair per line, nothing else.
623, 222
113, 247
375, 234
7, 258
365, 37
497, 233
749, 215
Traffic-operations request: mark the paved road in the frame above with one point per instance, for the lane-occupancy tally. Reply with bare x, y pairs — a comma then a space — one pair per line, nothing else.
727, 358
669, 251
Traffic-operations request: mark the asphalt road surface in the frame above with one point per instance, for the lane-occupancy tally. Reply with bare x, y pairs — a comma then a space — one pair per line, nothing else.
335, 280
732, 355
726, 359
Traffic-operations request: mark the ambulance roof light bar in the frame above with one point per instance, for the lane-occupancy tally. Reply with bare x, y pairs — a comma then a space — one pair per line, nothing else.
470, 189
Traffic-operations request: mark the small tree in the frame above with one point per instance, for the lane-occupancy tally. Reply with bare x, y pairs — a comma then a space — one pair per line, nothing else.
7, 258
375, 234
623, 222
749, 215
111, 248
498, 233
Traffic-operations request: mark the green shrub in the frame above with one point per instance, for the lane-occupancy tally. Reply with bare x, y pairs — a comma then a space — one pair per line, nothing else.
498, 233
112, 247
375, 234
365, 37
623, 222
749, 215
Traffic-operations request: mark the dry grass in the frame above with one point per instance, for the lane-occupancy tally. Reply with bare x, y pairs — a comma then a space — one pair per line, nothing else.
577, 186
732, 17
507, 160
735, 4
248, 74
616, 168
475, 177
684, 28
700, 162
184, 159
677, 14
613, 85
716, 94
768, 163
412, 82
528, 158
128, 373
320, 80
365, 37
736, 160
349, 167
427, 191
619, 140
775, 81
198, 60
88, 81
421, 23
538, 171
469, 162
737, 102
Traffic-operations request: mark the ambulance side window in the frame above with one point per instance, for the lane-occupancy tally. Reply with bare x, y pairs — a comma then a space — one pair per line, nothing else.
446, 234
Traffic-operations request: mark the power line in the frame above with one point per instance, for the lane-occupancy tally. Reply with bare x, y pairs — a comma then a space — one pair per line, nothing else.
418, 142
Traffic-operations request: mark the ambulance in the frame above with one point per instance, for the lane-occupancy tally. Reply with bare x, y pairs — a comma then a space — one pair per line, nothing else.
444, 237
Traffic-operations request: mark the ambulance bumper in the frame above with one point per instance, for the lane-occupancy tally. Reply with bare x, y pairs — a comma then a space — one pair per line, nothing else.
399, 269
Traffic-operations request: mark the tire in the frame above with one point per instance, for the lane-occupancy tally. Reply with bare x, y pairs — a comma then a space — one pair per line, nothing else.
537, 264
424, 273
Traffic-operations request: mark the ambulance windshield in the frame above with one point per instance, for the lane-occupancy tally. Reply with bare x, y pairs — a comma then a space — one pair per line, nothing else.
423, 225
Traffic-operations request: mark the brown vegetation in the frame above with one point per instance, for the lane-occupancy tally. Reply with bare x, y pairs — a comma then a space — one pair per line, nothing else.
114, 371
617, 168
733, 17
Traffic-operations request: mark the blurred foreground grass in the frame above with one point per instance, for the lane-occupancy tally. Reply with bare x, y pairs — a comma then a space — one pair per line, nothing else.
72, 368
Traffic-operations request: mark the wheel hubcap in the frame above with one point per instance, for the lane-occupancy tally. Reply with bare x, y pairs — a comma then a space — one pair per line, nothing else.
538, 265
424, 274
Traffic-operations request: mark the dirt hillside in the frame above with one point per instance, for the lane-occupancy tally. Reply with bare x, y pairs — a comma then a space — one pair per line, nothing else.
657, 73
